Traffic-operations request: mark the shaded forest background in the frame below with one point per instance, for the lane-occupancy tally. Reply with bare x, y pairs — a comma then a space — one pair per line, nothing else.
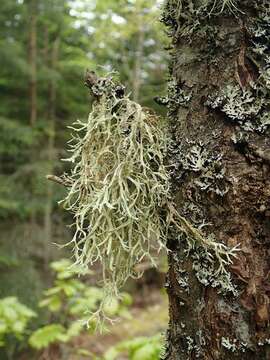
46, 47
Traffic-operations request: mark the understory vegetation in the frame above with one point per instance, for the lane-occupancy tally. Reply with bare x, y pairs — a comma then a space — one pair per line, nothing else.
67, 304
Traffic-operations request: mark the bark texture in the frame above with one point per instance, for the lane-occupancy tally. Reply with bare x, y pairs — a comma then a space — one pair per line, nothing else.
218, 104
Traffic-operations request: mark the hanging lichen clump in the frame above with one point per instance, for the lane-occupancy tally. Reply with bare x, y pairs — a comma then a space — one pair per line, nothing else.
118, 185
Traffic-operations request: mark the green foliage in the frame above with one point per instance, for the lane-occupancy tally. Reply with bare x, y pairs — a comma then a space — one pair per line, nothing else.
70, 301
68, 293
142, 348
14, 318
47, 335
54, 333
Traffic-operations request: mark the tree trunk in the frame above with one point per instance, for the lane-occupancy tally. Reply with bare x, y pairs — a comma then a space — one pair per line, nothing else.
218, 104
33, 60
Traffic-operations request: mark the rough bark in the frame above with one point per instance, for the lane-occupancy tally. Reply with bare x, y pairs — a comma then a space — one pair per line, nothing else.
220, 177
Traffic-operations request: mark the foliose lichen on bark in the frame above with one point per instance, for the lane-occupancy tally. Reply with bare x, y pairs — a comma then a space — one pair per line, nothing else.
186, 17
247, 101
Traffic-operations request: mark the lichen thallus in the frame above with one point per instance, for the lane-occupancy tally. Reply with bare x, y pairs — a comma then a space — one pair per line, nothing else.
119, 190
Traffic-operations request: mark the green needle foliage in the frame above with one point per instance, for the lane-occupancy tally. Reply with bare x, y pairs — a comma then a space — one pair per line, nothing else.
118, 185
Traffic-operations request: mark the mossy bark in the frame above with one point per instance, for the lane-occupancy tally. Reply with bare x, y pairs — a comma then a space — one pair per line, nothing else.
232, 203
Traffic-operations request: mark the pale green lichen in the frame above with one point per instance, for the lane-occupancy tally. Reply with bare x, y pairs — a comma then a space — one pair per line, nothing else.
119, 192
233, 345
208, 168
185, 17
119, 183
228, 344
194, 345
205, 271
247, 104
264, 342
182, 279
247, 107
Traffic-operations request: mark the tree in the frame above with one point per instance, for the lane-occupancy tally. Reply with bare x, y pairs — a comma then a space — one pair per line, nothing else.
218, 101
33, 60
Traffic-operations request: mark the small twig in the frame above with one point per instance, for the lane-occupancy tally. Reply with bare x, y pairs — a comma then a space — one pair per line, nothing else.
57, 180
91, 79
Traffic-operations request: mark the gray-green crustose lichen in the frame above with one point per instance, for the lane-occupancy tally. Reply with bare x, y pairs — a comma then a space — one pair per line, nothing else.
182, 279
264, 342
205, 271
186, 19
176, 96
193, 345
196, 214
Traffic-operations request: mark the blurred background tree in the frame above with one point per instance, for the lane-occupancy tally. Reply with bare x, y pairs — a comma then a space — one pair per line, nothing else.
45, 48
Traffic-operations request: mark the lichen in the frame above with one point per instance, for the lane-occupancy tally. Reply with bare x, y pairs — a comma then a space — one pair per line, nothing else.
247, 107
195, 213
247, 102
194, 346
182, 279
208, 168
186, 17
264, 342
206, 273
233, 345
228, 344
118, 184
176, 96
